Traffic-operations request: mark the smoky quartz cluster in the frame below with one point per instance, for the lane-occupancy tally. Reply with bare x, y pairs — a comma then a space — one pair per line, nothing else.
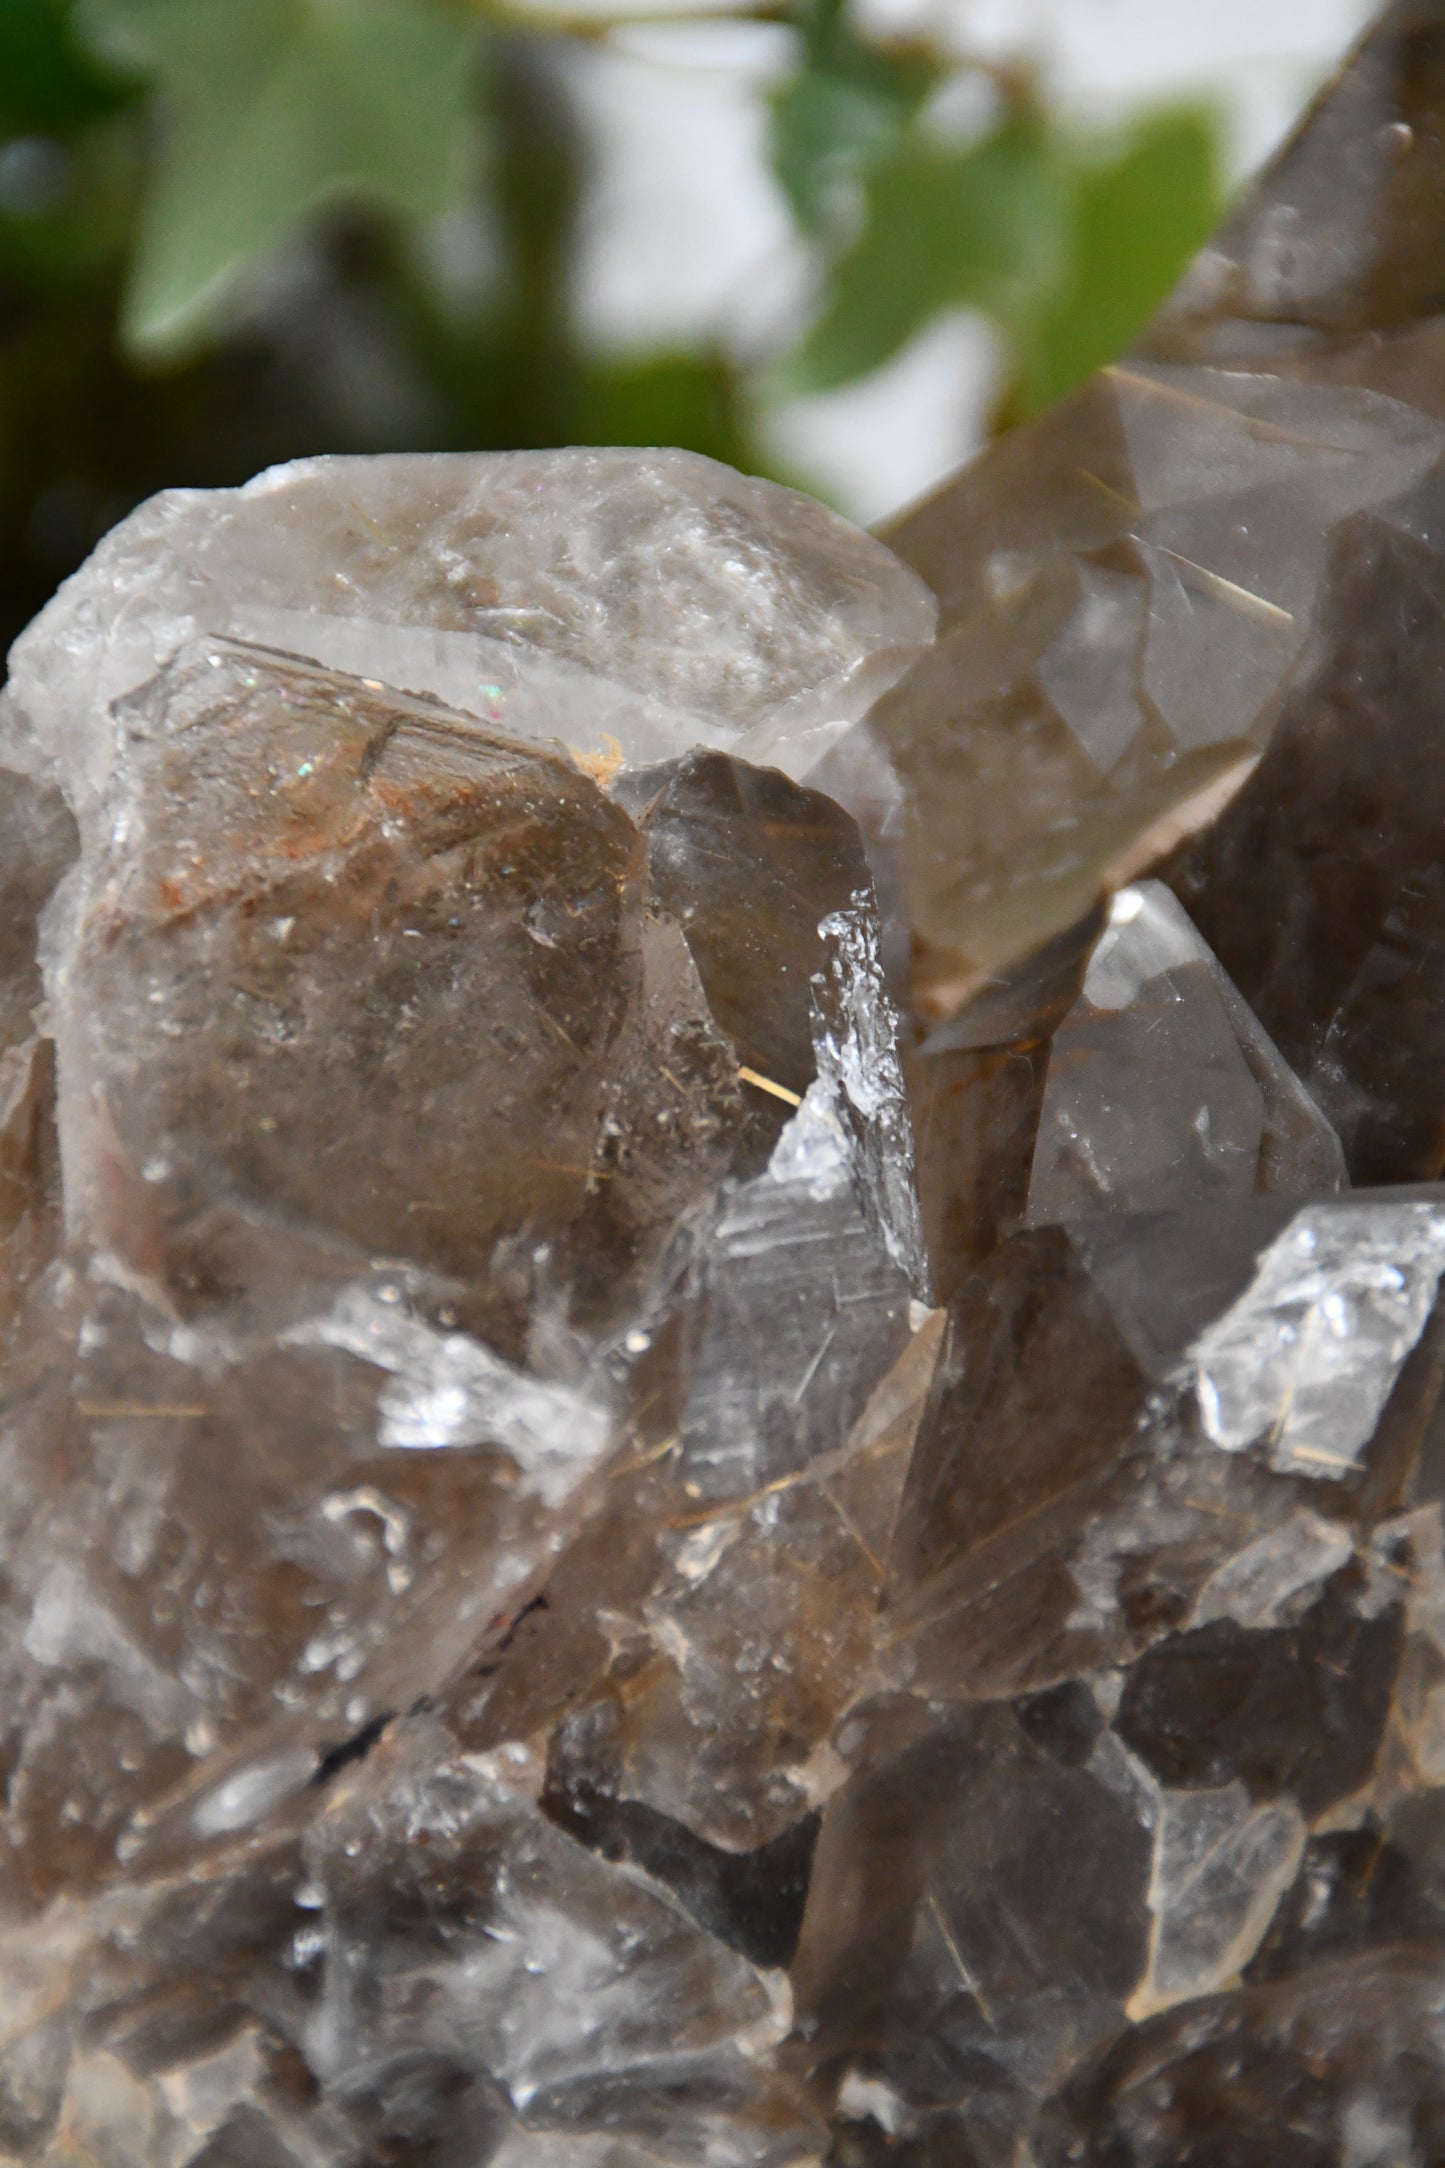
722, 1387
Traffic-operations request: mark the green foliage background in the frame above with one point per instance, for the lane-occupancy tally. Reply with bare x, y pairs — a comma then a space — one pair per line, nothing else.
218, 221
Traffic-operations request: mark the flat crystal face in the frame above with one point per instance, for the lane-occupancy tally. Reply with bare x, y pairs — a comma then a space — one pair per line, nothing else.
1134, 596
720, 1352
1162, 1091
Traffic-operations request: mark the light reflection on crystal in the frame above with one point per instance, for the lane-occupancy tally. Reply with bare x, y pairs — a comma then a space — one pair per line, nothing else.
1302, 1364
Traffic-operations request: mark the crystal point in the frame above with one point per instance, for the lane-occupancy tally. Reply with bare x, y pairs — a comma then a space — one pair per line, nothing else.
634, 604
1162, 1090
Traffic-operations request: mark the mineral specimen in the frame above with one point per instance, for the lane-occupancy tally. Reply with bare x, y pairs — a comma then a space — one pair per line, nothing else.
623, 1543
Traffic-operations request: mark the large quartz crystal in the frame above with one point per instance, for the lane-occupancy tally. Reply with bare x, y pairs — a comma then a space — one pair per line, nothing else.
723, 1409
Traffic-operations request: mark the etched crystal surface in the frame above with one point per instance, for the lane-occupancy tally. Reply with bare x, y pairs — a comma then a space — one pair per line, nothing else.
619, 1547
633, 605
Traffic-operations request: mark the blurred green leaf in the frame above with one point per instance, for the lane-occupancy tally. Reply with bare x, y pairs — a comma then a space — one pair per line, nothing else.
271, 108
847, 104
47, 79
825, 124
664, 399
1142, 208
986, 225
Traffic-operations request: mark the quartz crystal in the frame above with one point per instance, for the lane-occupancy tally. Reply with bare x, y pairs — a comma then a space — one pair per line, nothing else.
723, 1407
